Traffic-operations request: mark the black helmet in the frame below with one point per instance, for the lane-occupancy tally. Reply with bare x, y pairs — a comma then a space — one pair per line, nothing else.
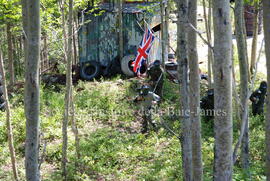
144, 90
157, 63
171, 56
210, 92
263, 85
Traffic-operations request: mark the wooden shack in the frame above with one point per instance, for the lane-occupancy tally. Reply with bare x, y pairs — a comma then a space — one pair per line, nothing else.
99, 36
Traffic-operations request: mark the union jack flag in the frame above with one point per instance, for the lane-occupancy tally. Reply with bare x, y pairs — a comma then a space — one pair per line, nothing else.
143, 50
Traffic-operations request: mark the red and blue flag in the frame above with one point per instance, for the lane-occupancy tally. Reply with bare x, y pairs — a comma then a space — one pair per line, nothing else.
143, 50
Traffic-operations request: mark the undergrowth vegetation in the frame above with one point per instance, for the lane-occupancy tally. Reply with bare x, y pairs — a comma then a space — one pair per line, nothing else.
111, 145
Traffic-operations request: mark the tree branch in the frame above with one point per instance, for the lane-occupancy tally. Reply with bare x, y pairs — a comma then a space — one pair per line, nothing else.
244, 108
200, 35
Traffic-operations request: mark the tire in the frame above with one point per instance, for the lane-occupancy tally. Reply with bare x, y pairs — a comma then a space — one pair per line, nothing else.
90, 70
2, 100
126, 65
1, 90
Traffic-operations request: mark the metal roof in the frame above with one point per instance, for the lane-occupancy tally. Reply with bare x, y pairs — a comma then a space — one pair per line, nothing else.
127, 7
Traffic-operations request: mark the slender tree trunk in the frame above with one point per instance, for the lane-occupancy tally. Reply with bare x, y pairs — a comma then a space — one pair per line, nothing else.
223, 91
210, 50
120, 22
17, 55
245, 37
31, 23
266, 22
21, 65
166, 36
162, 12
243, 66
194, 94
61, 4
10, 55
8, 121
254, 41
236, 106
76, 24
75, 130
74, 43
208, 23
68, 95
41, 68
182, 57
46, 59
19, 46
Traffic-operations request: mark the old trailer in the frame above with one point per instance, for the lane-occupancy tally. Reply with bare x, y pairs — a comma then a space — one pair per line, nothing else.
99, 37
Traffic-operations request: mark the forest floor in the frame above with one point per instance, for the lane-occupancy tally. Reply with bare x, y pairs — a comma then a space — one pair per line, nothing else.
111, 145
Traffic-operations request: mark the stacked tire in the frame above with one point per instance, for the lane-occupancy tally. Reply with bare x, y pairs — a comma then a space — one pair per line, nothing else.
90, 70
126, 65
2, 100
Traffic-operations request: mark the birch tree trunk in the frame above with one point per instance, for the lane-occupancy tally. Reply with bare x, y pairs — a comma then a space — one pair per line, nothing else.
61, 4
210, 50
31, 23
254, 41
41, 67
25, 28
46, 58
68, 95
74, 42
243, 66
8, 121
164, 32
75, 130
10, 55
208, 22
266, 22
223, 91
162, 12
182, 57
194, 93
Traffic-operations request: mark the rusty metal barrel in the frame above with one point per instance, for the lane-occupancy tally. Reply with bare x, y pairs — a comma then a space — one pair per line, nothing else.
249, 14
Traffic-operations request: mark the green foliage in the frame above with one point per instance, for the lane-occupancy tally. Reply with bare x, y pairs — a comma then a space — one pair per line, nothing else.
252, 2
10, 11
111, 146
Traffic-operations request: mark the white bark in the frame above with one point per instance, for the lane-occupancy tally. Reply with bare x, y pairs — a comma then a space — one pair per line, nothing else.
8, 121
266, 22
31, 22
208, 23
243, 66
164, 32
68, 95
194, 94
10, 55
254, 40
182, 57
61, 5
223, 91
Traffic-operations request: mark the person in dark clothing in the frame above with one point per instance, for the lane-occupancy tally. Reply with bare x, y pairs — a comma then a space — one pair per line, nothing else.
257, 98
207, 105
147, 99
155, 73
2, 100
